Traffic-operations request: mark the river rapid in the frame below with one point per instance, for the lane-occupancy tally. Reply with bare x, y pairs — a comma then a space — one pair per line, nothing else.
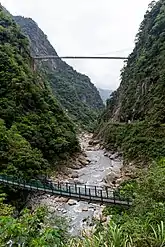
103, 168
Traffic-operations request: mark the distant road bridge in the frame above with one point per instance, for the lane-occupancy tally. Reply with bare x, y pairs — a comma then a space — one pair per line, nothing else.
76, 191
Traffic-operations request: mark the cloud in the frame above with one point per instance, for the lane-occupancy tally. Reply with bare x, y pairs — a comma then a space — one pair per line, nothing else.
87, 27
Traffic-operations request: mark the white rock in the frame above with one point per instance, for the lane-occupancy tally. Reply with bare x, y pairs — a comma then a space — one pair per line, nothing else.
61, 199
85, 209
72, 202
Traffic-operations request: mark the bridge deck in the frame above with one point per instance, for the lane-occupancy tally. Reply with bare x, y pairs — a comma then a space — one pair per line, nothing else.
79, 192
45, 57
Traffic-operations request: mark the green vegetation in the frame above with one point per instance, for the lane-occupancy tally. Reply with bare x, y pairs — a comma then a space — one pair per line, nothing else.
114, 236
34, 229
81, 100
143, 224
17, 155
134, 123
134, 119
141, 94
35, 133
140, 222
139, 141
75, 92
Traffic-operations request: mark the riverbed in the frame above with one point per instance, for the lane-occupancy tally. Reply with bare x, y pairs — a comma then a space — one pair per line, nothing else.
102, 169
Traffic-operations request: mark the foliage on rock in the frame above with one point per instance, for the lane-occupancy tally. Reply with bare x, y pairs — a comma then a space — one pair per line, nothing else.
78, 96
141, 95
134, 123
35, 132
31, 228
139, 141
134, 117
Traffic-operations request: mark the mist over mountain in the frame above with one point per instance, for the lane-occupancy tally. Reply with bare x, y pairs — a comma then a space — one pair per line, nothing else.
105, 94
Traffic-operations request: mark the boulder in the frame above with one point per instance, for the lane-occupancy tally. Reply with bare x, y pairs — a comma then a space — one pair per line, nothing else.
88, 159
111, 178
83, 161
113, 156
106, 154
72, 202
90, 142
61, 199
84, 220
95, 142
85, 209
77, 165
77, 181
90, 148
85, 155
92, 207
74, 175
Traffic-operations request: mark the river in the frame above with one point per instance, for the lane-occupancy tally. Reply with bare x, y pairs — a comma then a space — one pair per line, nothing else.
80, 213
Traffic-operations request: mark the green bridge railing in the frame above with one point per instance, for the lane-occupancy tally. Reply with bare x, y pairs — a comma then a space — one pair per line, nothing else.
77, 191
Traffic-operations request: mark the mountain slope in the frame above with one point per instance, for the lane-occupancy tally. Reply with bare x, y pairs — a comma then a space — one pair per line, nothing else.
35, 132
134, 124
141, 94
74, 91
105, 94
140, 98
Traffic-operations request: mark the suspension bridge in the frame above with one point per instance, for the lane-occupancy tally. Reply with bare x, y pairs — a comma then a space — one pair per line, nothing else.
44, 57
76, 191
52, 57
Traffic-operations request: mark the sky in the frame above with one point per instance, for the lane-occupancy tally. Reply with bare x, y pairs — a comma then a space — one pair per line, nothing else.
87, 28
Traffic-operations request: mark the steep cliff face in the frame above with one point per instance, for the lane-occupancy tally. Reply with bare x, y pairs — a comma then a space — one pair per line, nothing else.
140, 98
34, 131
75, 91
141, 94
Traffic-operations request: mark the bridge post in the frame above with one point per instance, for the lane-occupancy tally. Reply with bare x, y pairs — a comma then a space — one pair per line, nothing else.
101, 192
107, 191
69, 191
44, 187
67, 187
60, 189
79, 191
6, 178
30, 186
37, 185
51, 186
85, 190
76, 188
58, 184
23, 183
90, 194
95, 191
12, 181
